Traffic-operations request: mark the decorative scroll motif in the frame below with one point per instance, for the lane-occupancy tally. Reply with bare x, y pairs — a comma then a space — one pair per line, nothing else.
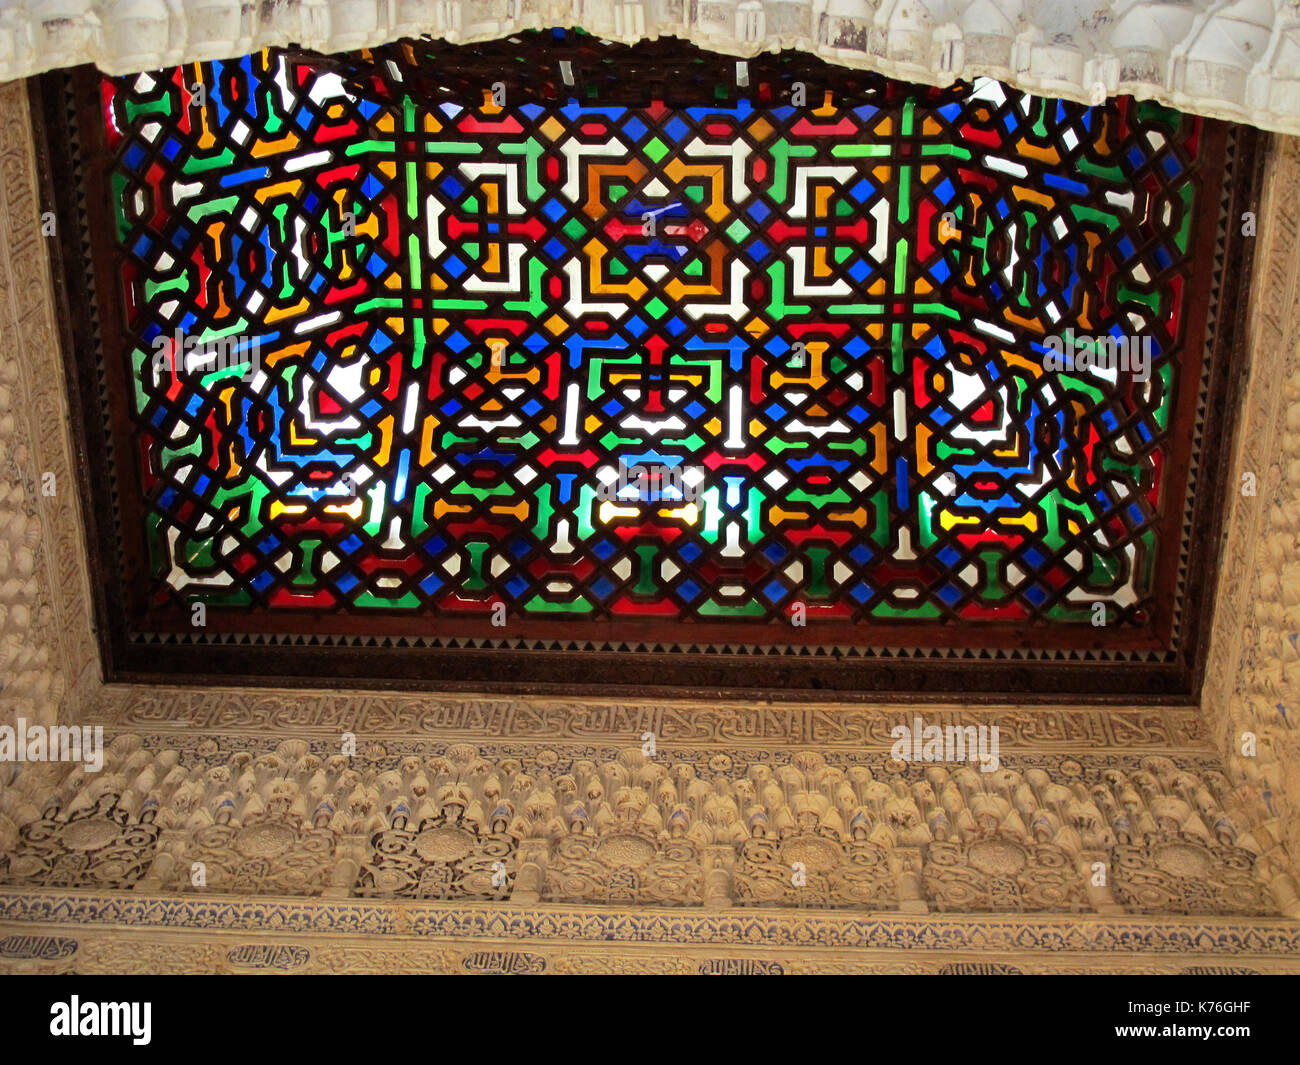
447, 858
814, 870
262, 858
622, 867
435, 333
1001, 875
1183, 877
94, 846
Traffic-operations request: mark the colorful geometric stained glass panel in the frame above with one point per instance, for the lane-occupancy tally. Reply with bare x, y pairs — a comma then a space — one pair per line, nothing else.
407, 342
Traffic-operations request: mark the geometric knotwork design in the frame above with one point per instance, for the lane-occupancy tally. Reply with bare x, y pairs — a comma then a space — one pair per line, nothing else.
640, 344
623, 869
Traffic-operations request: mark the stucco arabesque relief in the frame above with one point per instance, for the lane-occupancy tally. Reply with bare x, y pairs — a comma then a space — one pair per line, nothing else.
448, 794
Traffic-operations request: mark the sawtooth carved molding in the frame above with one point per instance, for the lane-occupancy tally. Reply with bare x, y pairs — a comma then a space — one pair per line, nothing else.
614, 861
1235, 59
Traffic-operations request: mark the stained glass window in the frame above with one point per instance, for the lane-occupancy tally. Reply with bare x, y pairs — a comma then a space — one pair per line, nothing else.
648, 344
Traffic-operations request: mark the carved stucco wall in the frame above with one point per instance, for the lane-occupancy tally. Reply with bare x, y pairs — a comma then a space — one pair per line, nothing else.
613, 861
1254, 663
1236, 59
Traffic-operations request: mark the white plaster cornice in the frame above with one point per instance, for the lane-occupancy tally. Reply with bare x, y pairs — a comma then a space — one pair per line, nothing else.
1231, 59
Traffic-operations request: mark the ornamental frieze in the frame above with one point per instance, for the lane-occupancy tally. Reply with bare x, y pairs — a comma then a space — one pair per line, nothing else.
803, 829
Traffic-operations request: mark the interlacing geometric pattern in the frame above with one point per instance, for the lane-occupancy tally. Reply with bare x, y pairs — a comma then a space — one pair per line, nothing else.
765, 348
